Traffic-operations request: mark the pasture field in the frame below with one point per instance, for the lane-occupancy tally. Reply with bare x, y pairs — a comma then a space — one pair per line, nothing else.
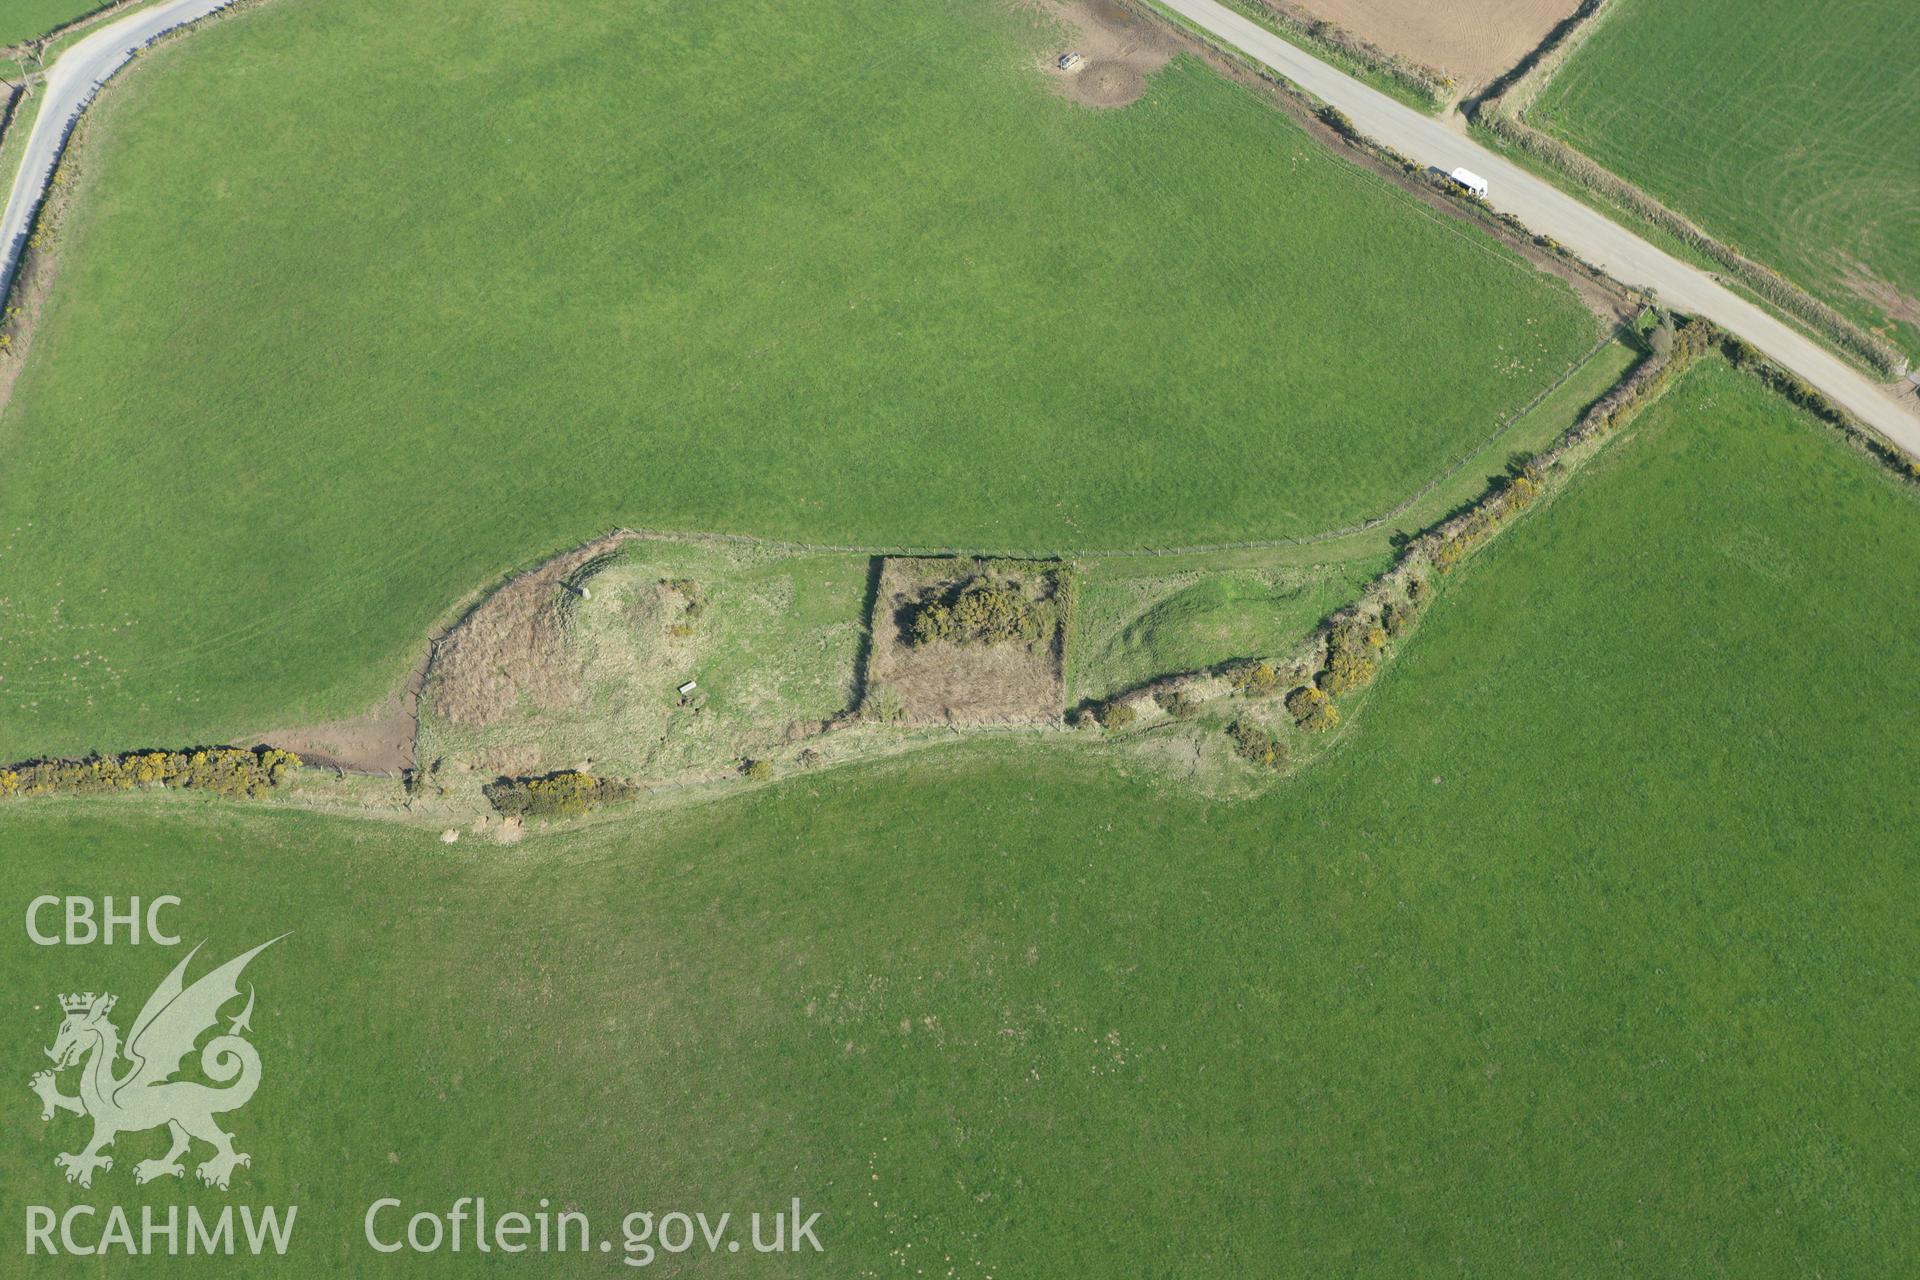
1585, 953
865, 279
1786, 130
1138, 617
24, 19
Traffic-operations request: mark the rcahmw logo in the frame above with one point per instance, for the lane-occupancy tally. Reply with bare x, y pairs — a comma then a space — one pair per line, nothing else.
146, 1094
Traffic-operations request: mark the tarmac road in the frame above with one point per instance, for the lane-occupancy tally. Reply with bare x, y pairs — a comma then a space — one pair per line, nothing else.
1547, 210
76, 75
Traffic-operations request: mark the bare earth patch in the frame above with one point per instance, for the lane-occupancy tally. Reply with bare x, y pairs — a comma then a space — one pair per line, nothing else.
1474, 41
381, 741
1118, 48
943, 682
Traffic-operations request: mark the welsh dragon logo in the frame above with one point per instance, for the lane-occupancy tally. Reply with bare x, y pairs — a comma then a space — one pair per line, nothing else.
146, 1096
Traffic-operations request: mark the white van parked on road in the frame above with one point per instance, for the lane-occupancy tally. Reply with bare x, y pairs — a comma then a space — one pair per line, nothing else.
1472, 181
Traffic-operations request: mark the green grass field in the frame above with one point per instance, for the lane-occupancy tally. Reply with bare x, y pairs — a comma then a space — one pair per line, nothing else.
319, 363
1587, 953
1138, 617
25, 19
1786, 130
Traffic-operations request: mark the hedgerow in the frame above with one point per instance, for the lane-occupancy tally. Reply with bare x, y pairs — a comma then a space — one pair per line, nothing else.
565, 794
1352, 656
1449, 545
225, 771
1255, 679
1177, 704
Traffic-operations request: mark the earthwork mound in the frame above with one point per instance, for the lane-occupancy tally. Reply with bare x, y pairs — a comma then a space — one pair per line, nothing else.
647, 658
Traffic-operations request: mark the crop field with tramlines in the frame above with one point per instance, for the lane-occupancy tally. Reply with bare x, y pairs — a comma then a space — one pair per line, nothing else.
1785, 130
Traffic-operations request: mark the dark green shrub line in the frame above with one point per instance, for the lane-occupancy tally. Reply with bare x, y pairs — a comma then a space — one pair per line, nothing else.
1444, 548
565, 794
1744, 357
1312, 710
227, 771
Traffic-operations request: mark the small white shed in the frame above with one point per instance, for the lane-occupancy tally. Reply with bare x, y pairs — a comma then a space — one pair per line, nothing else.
1472, 181
689, 687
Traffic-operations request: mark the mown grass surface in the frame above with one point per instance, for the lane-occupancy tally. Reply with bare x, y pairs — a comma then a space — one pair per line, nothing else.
25, 19
1587, 953
320, 363
1786, 130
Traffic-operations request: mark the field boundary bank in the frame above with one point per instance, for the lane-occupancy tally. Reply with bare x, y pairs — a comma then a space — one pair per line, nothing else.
1341, 656
1502, 111
1421, 556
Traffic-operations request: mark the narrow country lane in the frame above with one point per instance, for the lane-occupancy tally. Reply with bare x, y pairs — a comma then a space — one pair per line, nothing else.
1547, 210
75, 77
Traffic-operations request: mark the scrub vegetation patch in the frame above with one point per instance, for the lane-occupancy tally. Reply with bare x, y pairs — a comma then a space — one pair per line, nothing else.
959, 641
